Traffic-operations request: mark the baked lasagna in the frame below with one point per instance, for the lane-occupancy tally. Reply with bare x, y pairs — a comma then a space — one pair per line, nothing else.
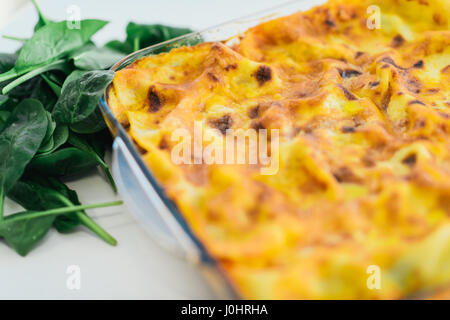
359, 93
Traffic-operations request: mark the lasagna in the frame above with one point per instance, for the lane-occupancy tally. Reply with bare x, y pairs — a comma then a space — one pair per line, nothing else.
359, 91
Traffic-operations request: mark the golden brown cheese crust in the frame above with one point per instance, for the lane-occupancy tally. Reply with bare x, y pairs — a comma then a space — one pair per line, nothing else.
364, 119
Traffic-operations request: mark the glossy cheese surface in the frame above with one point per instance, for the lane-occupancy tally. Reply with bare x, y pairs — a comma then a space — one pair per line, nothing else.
363, 185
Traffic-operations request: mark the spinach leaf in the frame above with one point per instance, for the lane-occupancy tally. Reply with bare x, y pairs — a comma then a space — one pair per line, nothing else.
3, 99
54, 86
65, 222
42, 193
60, 64
24, 229
23, 234
49, 43
80, 95
96, 58
63, 162
47, 143
4, 115
7, 61
83, 144
144, 35
20, 139
60, 136
92, 124
42, 19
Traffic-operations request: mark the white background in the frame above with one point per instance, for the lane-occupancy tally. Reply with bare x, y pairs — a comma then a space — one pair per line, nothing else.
137, 268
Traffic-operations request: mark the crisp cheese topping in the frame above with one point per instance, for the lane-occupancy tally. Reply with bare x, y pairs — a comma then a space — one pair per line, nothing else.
360, 204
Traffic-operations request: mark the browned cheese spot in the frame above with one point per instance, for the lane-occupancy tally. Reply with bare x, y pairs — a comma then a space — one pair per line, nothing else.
257, 125
397, 41
410, 160
418, 64
163, 145
231, 67
155, 101
348, 129
253, 112
263, 74
222, 124
330, 23
344, 174
358, 54
125, 123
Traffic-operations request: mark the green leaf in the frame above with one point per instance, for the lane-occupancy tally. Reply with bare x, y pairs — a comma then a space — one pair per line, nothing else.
55, 65
92, 124
42, 19
97, 58
4, 115
20, 139
54, 40
47, 143
63, 162
7, 61
80, 95
144, 35
54, 86
43, 194
24, 229
22, 235
51, 42
83, 144
60, 136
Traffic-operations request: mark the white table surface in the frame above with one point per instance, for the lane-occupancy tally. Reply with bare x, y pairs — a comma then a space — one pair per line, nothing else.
137, 268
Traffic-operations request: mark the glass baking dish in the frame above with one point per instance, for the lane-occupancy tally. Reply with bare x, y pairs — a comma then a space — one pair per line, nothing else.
135, 182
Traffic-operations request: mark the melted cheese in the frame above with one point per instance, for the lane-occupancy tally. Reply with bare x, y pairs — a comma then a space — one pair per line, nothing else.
364, 170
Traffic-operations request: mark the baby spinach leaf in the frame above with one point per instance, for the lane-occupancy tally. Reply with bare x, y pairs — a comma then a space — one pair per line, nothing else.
54, 86
149, 34
3, 99
83, 144
60, 136
20, 139
92, 124
49, 43
80, 95
4, 115
65, 222
42, 193
63, 162
24, 229
47, 143
23, 234
7, 61
42, 19
33, 196
97, 58
60, 64
144, 35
